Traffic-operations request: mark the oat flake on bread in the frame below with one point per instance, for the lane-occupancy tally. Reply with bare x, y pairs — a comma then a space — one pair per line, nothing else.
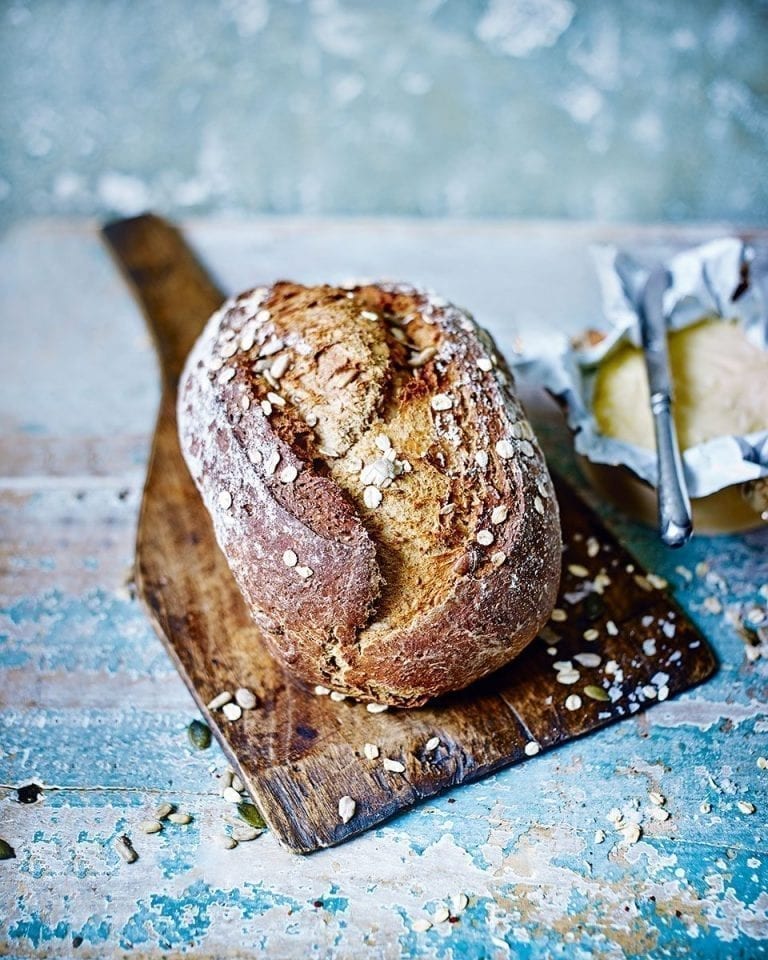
399, 426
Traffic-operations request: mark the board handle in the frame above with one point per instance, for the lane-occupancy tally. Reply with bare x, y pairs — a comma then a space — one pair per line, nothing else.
175, 291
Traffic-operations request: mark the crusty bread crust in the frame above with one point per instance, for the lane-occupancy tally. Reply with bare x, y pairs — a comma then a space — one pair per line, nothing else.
374, 485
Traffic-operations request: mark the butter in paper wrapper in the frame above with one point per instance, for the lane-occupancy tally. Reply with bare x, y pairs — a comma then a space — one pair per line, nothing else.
710, 281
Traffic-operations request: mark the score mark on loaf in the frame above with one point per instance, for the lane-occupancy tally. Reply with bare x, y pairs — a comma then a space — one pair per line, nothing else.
374, 485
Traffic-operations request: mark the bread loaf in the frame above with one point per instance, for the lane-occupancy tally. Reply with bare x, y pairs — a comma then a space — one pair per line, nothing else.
374, 485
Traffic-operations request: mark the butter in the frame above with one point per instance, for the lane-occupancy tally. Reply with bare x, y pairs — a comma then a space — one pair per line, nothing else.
720, 383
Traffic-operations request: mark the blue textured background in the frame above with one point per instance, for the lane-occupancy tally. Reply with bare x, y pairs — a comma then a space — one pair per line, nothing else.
604, 109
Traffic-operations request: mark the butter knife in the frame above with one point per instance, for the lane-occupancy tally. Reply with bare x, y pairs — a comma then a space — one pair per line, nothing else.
675, 525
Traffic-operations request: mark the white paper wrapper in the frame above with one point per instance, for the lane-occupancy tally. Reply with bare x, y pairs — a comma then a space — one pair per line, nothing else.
708, 281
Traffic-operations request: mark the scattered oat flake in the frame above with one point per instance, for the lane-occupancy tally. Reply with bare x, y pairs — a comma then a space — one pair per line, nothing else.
232, 711
746, 806
372, 497
596, 693
440, 402
266, 407
371, 751
394, 766
573, 702
290, 559
347, 807
588, 659
481, 459
577, 570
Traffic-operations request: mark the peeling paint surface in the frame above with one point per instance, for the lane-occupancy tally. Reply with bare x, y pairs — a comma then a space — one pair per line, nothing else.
92, 710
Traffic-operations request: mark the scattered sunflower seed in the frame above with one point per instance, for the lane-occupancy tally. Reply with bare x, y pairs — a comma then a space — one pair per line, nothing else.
232, 711
369, 315
125, 849
538, 505
746, 806
231, 795
441, 914
245, 834
199, 734
288, 474
421, 925
394, 766
237, 783
611, 629
225, 841
577, 570
599, 836
657, 798
304, 572
6, 851
164, 810
150, 826
484, 538
558, 615
499, 514
219, 700
659, 583
573, 702
498, 558
705, 807
376, 707
432, 744
596, 693
250, 814
568, 677
347, 807
712, 605
531, 748
338, 697
182, 819
591, 634
321, 691
371, 751
245, 698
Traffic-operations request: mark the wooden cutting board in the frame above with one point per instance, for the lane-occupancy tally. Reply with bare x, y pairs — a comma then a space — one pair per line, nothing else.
299, 753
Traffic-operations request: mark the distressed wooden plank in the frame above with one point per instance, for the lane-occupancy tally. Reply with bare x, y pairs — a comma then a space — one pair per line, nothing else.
296, 754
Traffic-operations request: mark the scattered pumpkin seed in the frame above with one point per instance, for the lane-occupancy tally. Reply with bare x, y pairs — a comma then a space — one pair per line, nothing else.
6, 851
181, 818
199, 734
151, 826
249, 812
596, 693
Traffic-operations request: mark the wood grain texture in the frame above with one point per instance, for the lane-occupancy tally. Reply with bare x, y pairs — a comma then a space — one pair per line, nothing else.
299, 753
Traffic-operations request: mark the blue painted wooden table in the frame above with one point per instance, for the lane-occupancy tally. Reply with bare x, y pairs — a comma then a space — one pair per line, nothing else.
91, 708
